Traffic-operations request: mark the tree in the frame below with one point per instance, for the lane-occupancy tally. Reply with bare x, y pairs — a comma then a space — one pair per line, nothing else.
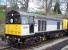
47, 5
15, 5
24, 4
57, 8
10, 5
66, 13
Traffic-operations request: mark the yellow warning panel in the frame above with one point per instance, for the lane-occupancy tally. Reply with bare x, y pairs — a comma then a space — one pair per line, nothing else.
65, 21
13, 29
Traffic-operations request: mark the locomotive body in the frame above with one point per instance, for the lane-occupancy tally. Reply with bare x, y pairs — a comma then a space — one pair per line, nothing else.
26, 27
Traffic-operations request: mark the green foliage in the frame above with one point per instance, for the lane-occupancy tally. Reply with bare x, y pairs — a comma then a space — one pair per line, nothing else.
2, 19
2, 13
40, 13
57, 8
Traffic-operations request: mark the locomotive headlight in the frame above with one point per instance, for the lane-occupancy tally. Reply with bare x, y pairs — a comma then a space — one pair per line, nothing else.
18, 39
7, 37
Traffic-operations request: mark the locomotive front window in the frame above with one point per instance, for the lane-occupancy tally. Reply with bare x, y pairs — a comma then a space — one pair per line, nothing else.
13, 20
31, 19
13, 17
27, 20
24, 20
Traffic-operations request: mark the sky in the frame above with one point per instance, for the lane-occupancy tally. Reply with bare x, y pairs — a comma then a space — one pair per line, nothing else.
2, 2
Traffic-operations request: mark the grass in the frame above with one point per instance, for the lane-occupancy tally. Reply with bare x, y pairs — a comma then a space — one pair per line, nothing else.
2, 29
2, 14
2, 18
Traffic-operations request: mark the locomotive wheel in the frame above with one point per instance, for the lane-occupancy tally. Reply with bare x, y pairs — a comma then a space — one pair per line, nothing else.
38, 39
61, 34
44, 38
57, 35
20, 45
11, 43
28, 42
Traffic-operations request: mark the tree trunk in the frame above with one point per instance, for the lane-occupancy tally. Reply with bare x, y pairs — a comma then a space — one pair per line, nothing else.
47, 6
66, 13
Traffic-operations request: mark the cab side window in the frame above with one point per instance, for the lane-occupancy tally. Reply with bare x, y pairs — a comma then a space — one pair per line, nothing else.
58, 25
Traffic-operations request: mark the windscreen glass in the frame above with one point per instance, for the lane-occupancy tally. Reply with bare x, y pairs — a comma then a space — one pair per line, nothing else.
13, 17
24, 20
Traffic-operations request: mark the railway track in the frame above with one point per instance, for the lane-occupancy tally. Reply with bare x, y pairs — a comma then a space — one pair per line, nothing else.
35, 47
6, 47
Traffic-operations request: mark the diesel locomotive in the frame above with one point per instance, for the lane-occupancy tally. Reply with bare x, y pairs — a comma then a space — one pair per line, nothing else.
27, 29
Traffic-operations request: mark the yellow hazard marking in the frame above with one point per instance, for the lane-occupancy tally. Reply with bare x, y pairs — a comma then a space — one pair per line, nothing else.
13, 29
65, 23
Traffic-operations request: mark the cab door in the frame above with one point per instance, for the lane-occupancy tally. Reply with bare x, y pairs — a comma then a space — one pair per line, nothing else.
31, 28
31, 24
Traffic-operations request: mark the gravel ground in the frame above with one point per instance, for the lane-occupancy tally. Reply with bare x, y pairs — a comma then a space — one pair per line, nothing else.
58, 46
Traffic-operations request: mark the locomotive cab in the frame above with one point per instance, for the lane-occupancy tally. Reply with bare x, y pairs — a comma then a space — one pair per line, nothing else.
18, 25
